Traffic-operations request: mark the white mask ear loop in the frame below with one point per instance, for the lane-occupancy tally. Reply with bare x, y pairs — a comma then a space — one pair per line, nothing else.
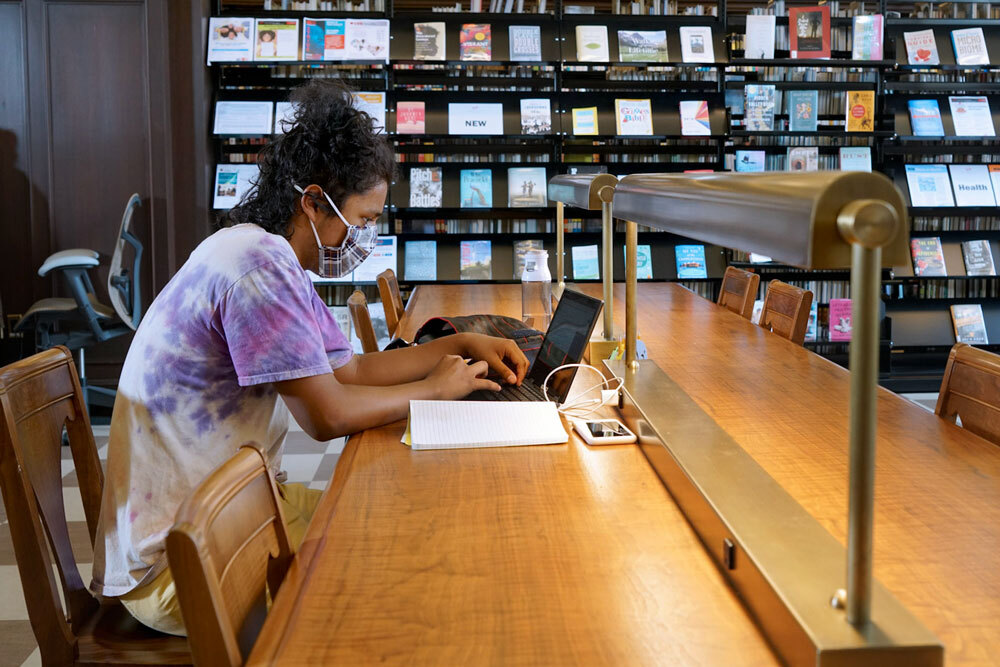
335, 210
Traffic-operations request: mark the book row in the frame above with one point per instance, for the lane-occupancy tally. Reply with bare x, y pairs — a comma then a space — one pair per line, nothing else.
324, 5
803, 109
941, 185
801, 158
977, 288
970, 117
948, 223
929, 259
633, 117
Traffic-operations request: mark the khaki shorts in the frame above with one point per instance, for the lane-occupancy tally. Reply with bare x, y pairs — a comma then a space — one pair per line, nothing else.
155, 605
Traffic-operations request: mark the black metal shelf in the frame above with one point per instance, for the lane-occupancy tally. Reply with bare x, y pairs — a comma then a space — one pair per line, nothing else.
805, 85
735, 61
950, 211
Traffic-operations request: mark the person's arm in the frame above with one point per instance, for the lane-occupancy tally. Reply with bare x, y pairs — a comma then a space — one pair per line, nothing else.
410, 364
326, 409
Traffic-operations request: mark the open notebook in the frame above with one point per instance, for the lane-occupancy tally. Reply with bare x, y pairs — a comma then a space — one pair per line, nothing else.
461, 424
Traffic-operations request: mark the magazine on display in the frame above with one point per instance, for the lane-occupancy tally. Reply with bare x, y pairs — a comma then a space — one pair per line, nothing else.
971, 116
284, 117
929, 185
382, 257
243, 117
372, 104
232, 181
367, 39
276, 39
230, 40
972, 185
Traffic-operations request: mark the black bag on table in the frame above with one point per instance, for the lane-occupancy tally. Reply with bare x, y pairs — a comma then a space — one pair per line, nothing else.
528, 340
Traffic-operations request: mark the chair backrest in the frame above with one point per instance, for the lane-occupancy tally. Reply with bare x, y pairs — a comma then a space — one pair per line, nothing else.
388, 290
228, 551
738, 291
39, 397
357, 304
786, 311
123, 285
971, 390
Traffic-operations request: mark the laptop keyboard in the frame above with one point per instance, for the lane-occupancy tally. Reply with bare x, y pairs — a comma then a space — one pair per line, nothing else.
510, 392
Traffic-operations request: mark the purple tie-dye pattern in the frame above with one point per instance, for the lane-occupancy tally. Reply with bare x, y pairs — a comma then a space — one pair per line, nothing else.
240, 315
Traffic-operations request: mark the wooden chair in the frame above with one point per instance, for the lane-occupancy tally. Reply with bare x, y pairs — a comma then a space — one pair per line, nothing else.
971, 390
388, 290
228, 551
786, 311
738, 291
357, 304
39, 397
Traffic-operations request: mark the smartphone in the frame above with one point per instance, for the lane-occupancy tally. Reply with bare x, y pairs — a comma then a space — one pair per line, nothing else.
604, 432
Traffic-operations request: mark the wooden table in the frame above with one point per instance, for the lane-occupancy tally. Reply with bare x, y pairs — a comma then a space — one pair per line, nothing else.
574, 554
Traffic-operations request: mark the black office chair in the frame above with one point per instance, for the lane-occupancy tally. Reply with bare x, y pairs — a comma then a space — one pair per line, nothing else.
81, 321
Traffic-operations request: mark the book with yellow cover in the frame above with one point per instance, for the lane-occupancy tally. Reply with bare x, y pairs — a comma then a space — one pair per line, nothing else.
860, 110
585, 120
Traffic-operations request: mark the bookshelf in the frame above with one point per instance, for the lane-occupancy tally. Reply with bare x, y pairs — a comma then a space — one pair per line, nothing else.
918, 326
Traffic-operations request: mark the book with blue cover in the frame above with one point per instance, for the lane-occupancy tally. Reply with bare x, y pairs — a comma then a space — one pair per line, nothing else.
759, 107
644, 261
690, 262
476, 188
746, 161
420, 260
476, 260
925, 118
802, 106
585, 263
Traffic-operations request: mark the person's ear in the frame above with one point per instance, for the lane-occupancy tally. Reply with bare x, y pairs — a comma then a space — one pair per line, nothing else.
309, 201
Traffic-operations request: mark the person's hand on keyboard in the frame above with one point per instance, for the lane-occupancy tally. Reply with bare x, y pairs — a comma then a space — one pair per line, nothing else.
453, 378
502, 355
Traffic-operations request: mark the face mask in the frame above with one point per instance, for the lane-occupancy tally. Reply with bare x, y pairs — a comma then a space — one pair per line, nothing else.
335, 262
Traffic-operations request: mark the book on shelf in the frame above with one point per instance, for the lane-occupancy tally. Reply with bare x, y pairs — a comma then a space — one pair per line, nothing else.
425, 187
578, 9
929, 185
633, 117
978, 256
970, 326
759, 44
475, 42
970, 46
995, 178
860, 111
972, 185
855, 158
690, 262
475, 260
695, 119
335, 39
759, 107
809, 31
276, 39
749, 161
592, 44
812, 325
921, 47
230, 40
410, 118
840, 320
429, 41
373, 104
802, 110
925, 118
382, 257
366, 39
637, 46
525, 42
475, 118
420, 260
696, 44
521, 250
643, 261
526, 187
284, 117
971, 116
243, 117
585, 121
232, 181
476, 188
536, 115
313, 39
585, 264
866, 42
735, 102
928, 257
802, 158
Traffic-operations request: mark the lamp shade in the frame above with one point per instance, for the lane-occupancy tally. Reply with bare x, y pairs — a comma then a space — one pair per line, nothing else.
580, 190
789, 216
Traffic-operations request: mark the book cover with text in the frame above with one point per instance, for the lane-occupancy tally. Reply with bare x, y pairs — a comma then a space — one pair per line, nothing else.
476, 260
637, 46
855, 158
921, 47
276, 39
585, 263
928, 257
696, 44
970, 47
410, 118
420, 260
802, 110
861, 111
425, 187
592, 44
634, 117
802, 158
373, 104
526, 187
971, 116
759, 107
695, 120
970, 326
475, 42
809, 32
690, 262
759, 37
429, 41
476, 188
585, 121
521, 249
866, 43
925, 118
230, 40
840, 319
972, 185
536, 116
749, 161
978, 256
525, 43
929, 185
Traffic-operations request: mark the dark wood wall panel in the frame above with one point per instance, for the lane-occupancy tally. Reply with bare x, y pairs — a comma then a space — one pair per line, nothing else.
18, 288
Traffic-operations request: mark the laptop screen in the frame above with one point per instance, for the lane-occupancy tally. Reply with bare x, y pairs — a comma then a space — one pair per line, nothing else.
565, 342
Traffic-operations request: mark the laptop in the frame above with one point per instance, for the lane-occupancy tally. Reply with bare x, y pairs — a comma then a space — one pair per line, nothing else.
564, 343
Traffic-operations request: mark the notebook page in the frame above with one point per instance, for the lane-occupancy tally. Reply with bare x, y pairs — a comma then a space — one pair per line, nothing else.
460, 424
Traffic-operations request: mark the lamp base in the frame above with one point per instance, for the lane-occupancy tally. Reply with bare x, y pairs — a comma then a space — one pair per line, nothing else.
598, 349
782, 563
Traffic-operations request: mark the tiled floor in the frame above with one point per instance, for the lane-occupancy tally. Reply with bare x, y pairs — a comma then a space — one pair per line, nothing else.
305, 460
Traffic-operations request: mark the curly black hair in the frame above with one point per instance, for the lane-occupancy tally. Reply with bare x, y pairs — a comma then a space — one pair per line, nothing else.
328, 142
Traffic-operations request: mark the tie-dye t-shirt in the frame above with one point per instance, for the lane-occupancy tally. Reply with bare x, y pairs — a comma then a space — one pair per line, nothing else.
197, 383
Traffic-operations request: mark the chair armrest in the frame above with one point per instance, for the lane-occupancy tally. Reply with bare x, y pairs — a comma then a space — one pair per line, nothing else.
66, 258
